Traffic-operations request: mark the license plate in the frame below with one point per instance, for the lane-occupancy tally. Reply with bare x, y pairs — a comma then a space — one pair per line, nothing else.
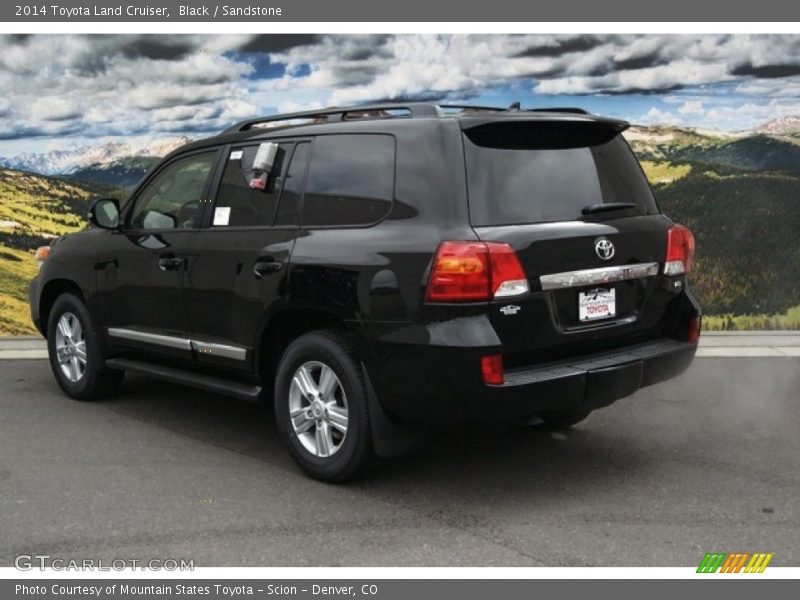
597, 304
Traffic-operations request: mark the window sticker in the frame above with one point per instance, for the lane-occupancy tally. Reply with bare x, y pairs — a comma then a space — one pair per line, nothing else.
222, 215
236, 155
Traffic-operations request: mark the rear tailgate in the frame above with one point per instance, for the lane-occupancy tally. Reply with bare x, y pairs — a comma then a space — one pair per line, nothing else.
546, 323
529, 185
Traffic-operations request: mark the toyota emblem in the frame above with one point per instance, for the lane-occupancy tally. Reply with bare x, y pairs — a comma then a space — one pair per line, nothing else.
604, 249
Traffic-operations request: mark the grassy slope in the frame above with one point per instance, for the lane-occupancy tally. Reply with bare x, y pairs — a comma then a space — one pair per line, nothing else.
17, 268
33, 210
664, 171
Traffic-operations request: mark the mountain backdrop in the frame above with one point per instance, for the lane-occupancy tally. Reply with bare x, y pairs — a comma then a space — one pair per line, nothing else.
739, 192
740, 195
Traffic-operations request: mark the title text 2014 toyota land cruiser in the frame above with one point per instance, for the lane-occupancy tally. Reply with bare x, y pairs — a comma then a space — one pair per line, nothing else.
378, 269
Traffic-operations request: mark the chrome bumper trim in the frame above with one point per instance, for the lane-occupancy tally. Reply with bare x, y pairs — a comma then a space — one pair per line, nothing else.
570, 279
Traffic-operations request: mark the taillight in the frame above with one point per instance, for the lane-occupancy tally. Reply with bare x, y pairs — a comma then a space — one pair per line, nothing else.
680, 250
492, 369
508, 277
475, 271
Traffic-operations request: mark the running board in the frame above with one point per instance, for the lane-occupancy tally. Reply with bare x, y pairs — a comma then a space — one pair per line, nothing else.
217, 385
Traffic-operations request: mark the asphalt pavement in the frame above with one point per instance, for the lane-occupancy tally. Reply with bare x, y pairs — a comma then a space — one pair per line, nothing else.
706, 462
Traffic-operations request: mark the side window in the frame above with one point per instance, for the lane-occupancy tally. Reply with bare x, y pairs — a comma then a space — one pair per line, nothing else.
293, 186
350, 180
173, 197
237, 204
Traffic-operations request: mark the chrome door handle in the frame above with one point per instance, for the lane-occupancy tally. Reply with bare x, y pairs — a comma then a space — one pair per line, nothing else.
265, 267
170, 263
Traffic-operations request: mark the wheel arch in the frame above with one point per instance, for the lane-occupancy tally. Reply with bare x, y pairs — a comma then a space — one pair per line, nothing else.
285, 326
47, 298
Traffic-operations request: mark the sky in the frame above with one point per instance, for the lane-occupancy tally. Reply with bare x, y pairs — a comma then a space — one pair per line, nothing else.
68, 91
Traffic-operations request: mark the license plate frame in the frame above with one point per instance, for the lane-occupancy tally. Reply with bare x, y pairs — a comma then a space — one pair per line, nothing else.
597, 304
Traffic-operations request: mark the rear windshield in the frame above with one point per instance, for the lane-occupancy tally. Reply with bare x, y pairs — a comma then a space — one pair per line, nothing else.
539, 172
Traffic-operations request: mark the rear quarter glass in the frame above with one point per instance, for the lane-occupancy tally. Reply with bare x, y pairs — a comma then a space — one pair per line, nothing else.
544, 172
350, 180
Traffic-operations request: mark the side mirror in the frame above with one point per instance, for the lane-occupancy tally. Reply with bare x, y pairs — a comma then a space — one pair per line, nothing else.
104, 213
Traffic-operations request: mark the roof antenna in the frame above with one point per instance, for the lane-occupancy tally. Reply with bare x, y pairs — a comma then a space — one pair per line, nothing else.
515, 107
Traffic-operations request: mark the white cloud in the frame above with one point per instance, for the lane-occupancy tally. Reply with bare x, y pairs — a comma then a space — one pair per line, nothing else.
692, 108
122, 85
55, 108
750, 114
101, 86
656, 116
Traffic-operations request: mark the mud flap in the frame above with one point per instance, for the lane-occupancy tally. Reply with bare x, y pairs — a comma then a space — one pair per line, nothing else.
390, 438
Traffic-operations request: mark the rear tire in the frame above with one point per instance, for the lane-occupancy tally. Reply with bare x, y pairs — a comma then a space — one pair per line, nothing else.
75, 352
321, 407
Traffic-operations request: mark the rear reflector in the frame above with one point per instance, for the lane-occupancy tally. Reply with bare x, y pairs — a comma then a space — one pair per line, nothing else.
680, 250
492, 369
475, 271
693, 335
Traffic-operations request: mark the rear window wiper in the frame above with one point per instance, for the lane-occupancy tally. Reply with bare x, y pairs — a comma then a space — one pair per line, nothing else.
608, 206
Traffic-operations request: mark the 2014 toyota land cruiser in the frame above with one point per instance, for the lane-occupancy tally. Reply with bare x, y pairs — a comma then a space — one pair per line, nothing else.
378, 269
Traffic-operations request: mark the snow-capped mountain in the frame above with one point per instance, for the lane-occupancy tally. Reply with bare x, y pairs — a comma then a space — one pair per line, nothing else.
782, 126
66, 162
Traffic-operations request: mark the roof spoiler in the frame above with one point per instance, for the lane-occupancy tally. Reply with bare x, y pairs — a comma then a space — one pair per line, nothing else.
541, 132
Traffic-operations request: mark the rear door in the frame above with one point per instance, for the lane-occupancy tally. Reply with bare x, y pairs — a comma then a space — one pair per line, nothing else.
571, 200
238, 277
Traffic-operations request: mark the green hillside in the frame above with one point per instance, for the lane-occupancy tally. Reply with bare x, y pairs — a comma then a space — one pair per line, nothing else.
33, 210
746, 228
757, 153
741, 196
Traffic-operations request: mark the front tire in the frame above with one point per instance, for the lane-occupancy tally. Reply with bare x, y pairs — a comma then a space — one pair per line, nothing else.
321, 407
75, 353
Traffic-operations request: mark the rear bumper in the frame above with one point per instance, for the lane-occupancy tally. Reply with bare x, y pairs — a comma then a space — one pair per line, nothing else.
593, 381
444, 385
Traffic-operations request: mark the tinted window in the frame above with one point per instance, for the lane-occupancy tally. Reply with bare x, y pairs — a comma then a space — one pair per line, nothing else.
241, 204
548, 175
293, 186
350, 180
173, 197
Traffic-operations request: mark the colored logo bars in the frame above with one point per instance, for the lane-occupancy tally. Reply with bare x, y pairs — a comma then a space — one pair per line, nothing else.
734, 563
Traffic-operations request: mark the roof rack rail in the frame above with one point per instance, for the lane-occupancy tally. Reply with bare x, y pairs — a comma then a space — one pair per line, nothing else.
562, 109
470, 107
409, 109
414, 109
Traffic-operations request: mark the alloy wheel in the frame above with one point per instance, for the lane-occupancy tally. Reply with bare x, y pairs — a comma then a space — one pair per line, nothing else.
71, 347
318, 409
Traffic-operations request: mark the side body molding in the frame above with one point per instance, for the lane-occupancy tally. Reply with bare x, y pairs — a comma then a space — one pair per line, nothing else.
199, 346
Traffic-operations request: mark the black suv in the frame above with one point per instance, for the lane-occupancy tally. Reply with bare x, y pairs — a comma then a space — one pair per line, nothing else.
377, 269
